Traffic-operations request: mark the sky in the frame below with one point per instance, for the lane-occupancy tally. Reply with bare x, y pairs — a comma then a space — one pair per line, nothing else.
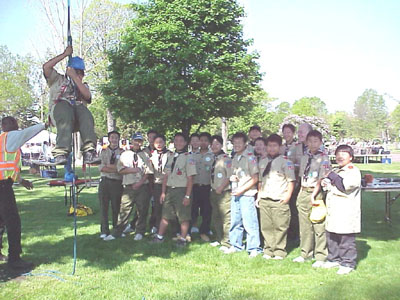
331, 49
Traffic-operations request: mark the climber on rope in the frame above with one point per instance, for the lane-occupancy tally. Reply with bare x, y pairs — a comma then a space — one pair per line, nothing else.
69, 97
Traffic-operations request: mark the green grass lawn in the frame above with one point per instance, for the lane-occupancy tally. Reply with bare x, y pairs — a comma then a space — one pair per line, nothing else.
126, 269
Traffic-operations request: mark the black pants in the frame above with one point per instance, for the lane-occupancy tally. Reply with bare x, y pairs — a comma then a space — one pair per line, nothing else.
293, 231
201, 200
342, 248
2, 230
10, 216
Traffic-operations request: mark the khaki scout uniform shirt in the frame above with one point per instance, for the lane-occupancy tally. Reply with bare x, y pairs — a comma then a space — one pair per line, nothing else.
274, 185
184, 166
159, 169
244, 166
296, 152
105, 160
319, 168
288, 149
204, 163
344, 208
127, 161
61, 89
222, 171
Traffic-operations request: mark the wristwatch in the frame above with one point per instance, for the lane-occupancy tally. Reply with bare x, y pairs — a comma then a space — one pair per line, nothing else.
187, 197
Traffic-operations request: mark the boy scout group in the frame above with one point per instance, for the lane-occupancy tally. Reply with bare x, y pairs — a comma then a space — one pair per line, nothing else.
253, 198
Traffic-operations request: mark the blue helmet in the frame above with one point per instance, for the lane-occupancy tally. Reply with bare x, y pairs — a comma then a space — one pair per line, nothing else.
77, 63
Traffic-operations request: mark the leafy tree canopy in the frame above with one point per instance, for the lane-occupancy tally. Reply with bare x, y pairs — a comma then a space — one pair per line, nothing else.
309, 106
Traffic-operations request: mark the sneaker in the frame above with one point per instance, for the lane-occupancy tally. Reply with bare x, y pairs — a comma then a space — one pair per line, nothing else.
330, 264
188, 238
215, 244
344, 270
60, 160
177, 237
204, 237
128, 229
299, 259
210, 233
19, 264
91, 157
318, 264
277, 257
194, 230
230, 250
157, 239
253, 253
266, 256
103, 235
181, 242
154, 230
109, 237
138, 237
223, 248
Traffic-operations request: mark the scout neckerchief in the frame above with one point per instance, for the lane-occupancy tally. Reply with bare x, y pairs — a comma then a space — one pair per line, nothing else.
287, 146
160, 154
175, 158
214, 162
308, 166
113, 155
136, 157
268, 167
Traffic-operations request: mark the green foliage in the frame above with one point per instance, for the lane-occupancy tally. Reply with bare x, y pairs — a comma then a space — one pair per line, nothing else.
395, 121
182, 63
341, 125
16, 91
316, 123
370, 115
309, 106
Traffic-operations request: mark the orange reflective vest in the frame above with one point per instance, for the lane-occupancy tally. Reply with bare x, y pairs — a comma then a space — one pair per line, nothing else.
9, 161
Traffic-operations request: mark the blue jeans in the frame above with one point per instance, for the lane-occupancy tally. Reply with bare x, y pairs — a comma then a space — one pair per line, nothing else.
244, 217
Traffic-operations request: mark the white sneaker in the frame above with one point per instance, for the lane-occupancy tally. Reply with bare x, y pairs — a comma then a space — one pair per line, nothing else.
318, 264
194, 230
123, 235
330, 264
103, 235
215, 244
230, 250
109, 237
138, 237
128, 229
277, 257
299, 259
154, 230
253, 253
223, 248
344, 270
210, 233
266, 256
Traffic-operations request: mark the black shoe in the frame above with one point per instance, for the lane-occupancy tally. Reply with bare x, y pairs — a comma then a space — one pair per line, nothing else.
19, 264
60, 160
90, 157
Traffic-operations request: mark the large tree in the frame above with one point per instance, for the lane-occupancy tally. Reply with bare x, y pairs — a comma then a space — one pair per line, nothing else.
370, 115
309, 106
182, 63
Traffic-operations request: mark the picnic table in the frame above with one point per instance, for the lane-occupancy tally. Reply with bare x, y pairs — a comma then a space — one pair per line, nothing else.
386, 186
80, 185
366, 158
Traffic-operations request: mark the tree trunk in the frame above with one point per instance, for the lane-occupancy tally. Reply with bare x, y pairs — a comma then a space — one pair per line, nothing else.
224, 133
111, 123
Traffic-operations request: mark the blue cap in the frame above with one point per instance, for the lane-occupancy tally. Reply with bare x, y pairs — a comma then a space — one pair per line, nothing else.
77, 63
137, 136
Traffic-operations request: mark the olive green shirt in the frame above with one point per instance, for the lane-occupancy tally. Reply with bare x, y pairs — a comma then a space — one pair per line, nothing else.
204, 163
127, 161
222, 171
319, 168
244, 166
274, 185
105, 157
184, 166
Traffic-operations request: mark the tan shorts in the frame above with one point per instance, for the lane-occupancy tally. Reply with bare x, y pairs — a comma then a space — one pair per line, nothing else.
173, 206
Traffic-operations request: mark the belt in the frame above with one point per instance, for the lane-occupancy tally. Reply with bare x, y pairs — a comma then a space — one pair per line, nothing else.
198, 184
270, 199
308, 189
6, 182
108, 178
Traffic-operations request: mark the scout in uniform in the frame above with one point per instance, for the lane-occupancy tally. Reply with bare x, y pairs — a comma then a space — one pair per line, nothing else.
244, 181
194, 143
69, 97
135, 167
110, 187
151, 134
276, 185
314, 166
176, 190
201, 188
158, 158
343, 203
260, 148
11, 140
221, 171
288, 132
